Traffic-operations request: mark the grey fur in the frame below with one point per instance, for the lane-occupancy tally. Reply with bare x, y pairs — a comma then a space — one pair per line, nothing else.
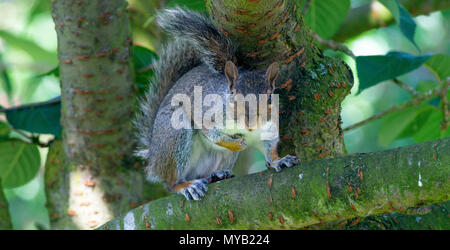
213, 47
175, 59
177, 156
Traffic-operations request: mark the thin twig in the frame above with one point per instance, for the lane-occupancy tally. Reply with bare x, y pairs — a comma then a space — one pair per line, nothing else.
34, 139
305, 8
333, 45
413, 102
405, 86
145, 69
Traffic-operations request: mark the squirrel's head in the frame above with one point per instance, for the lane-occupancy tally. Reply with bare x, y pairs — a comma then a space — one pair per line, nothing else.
251, 86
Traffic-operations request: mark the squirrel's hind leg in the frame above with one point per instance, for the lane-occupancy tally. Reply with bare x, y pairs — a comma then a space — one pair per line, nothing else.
195, 189
192, 190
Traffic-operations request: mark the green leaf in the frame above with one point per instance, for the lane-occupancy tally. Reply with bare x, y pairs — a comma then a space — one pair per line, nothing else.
394, 124
37, 118
54, 72
4, 131
403, 18
39, 7
325, 16
440, 65
425, 86
143, 59
374, 69
19, 162
29, 46
4, 79
197, 5
418, 123
432, 128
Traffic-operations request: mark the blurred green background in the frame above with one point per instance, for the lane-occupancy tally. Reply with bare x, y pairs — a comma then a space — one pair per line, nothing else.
28, 50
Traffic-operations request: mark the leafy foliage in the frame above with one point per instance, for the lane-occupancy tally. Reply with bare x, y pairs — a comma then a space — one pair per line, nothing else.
30, 47
396, 123
5, 79
143, 59
374, 69
403, 18
197, 5
440, 65
325, 16
19, 163
42, 118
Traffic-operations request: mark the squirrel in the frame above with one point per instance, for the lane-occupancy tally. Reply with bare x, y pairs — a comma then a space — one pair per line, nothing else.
188, 159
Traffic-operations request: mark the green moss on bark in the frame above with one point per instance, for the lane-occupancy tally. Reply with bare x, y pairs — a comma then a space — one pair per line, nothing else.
311, 193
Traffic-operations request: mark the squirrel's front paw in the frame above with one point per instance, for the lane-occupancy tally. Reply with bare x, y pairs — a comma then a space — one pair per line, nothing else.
285, 162
192, 190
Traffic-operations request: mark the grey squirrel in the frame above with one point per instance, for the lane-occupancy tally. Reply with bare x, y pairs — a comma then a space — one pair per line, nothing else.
199, 55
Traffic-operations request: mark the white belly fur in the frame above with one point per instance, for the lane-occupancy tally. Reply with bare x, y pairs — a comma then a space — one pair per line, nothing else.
207, 158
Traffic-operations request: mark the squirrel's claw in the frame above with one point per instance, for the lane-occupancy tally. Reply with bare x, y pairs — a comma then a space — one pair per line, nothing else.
219, 175
196, 191
285, 162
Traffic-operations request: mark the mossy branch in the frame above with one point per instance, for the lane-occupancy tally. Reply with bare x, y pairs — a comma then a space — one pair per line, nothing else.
310, 193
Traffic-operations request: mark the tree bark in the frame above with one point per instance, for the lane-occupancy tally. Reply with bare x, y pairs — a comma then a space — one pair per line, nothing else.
310, 193
91, 180
366, 17
96, 80
5, 219
94, 178
311, 86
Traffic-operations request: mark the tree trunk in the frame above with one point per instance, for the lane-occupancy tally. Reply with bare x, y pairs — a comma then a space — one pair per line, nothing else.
93, 179
5, 219
311, 86
312, 192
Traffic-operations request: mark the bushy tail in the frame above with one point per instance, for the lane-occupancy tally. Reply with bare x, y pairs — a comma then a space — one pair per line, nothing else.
213, 47
195, 40
175, 59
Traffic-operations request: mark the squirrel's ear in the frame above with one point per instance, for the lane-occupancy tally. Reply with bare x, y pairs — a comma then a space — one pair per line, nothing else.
231, 73
272, 74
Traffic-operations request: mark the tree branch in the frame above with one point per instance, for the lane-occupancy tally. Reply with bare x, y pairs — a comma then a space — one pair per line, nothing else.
333, 44
366, 17
313, 192
405, 86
